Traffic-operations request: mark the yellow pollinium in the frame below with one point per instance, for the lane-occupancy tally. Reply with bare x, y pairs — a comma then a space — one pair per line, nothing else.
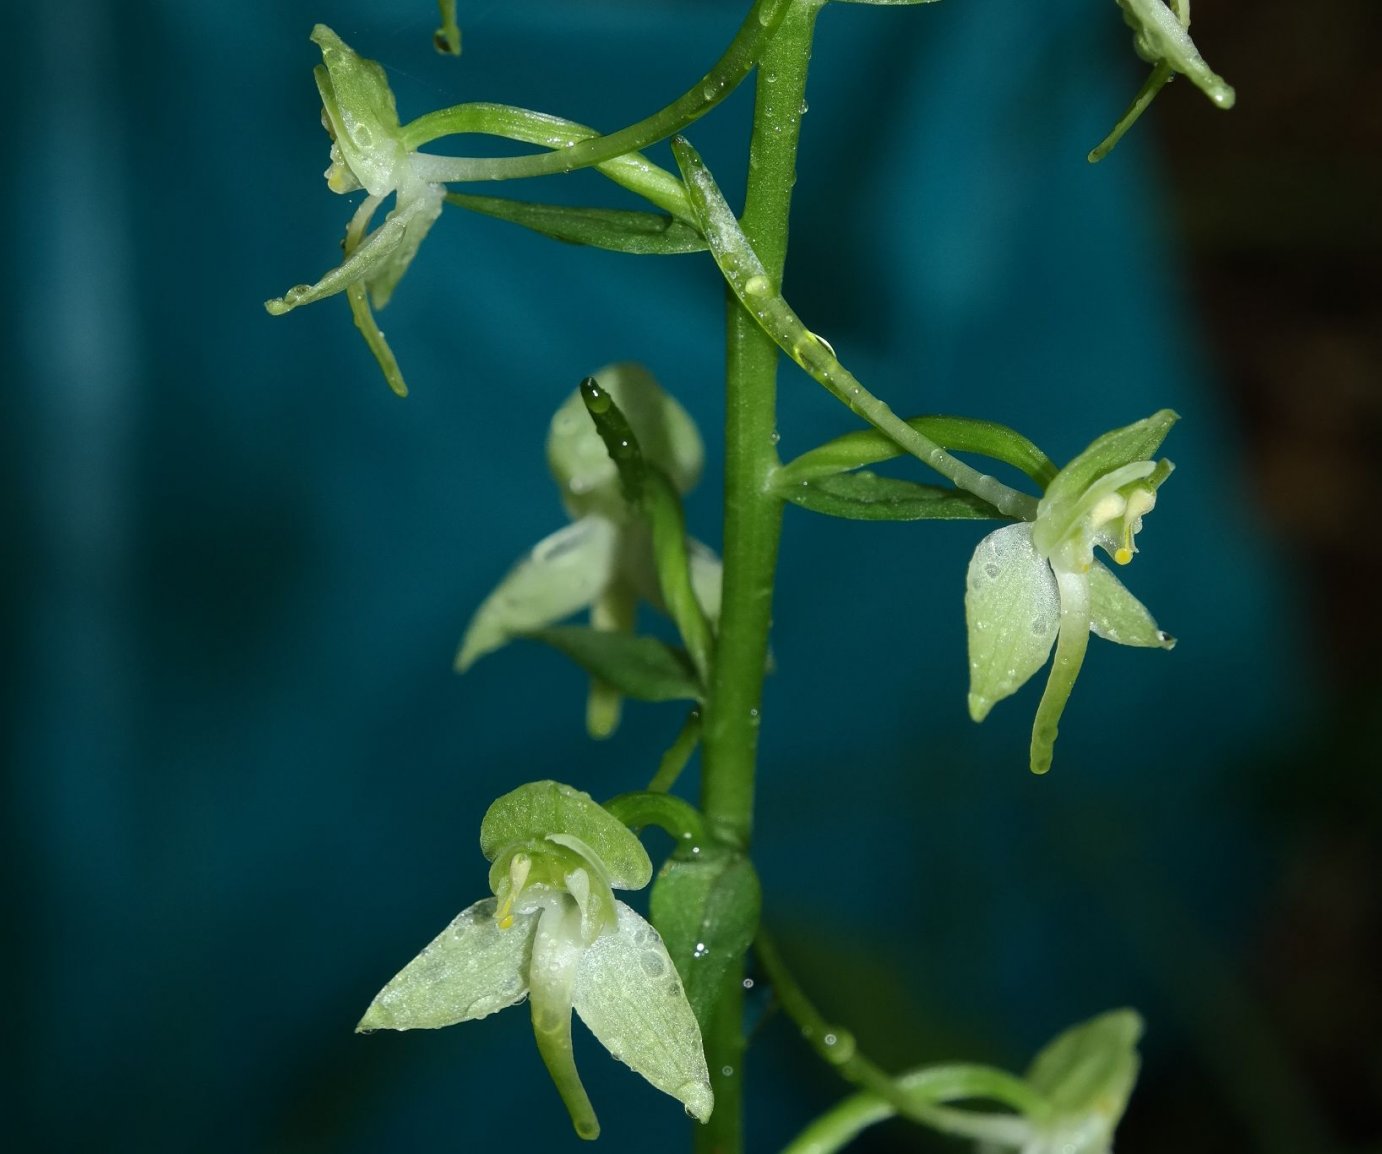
1139, 503
518, 875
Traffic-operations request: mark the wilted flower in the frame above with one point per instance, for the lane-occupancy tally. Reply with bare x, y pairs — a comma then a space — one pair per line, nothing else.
555, 933
367, 152
1035, 584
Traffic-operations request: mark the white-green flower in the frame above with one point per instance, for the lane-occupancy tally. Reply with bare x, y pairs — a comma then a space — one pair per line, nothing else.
1037, 584
367, 152
555, 934
603, 560
1086, 1076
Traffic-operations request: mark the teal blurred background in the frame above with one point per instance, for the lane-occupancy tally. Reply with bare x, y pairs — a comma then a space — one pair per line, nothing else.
243, 786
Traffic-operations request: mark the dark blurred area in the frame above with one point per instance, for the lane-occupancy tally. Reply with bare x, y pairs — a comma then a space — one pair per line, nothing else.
242, 786
1277, 205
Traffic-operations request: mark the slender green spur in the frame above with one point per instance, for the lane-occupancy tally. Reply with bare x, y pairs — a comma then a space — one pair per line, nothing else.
554, 933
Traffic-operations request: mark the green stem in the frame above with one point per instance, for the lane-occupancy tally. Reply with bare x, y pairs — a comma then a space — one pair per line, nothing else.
756, 285
645, 808
723, 78
633, 171
918, 1096
676, 757
753, 525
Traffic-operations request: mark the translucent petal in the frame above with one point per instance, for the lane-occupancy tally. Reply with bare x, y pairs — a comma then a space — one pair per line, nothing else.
629, 994
1116, 615
565, 572
1013, 610
707, 576
470, 970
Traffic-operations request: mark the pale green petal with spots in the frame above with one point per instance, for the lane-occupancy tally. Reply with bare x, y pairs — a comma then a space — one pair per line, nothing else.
629, 993
563, 574
1012, 609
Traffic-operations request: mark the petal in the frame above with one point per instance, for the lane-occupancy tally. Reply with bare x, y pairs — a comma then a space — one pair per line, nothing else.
707, 575
365, 262
1012, 610
418, 209
549, 813
1113, 450
628, 992
565, 572
470, 970
1116, 615
557, 951
1070, 651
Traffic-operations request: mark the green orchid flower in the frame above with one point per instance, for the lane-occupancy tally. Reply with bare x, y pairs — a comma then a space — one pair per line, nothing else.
554, 933
367, 152
1037, 584
603, 560
1085, 1076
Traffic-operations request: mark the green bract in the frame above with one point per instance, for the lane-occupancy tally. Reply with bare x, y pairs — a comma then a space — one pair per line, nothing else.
1036, 584
603, 560
367, 152
554, 931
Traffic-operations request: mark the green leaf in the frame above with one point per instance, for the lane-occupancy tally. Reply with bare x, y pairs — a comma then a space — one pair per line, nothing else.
549, 811
565, 572
1116, 615
959, 434
616, 230
470, 970
865, 496
630, 995
1012, 609
643, 668
706, 907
